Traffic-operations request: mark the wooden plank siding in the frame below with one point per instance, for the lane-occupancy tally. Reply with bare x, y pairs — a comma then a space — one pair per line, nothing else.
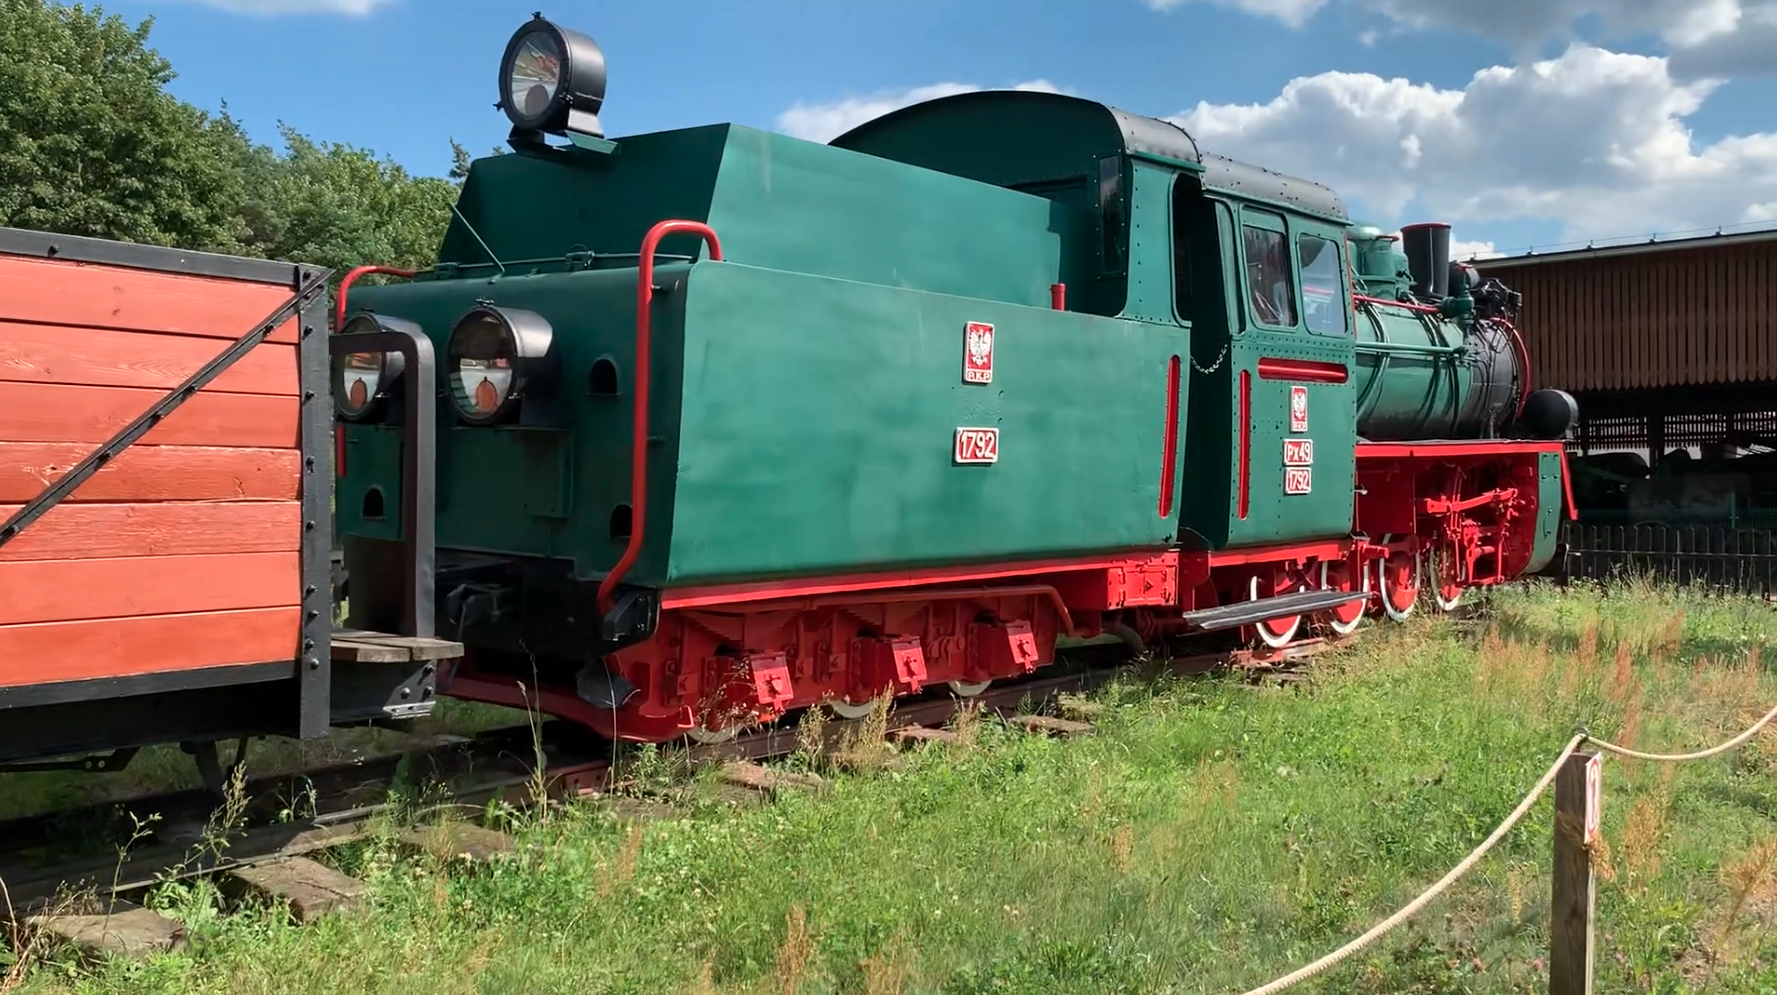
184, 551
1652, 318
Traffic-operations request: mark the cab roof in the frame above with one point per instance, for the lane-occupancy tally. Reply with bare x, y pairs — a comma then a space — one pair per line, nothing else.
1016, 137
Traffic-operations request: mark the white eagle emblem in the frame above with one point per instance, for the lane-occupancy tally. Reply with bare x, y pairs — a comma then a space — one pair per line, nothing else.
978, 352
980, 345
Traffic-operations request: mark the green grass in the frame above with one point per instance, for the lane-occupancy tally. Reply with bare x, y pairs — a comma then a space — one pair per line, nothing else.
1209, 838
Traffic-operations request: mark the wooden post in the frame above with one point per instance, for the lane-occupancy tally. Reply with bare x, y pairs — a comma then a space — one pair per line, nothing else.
1577, 809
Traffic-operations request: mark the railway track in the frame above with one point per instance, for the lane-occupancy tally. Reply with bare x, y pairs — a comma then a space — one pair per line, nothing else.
72, 874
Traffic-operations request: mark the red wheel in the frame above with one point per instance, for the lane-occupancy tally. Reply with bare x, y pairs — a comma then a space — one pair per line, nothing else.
1276, 632
1446, 584
1337, 576
1398, 581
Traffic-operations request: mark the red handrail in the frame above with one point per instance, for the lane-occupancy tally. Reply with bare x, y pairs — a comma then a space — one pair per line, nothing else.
345, 284
1169, 438
638, 470
1523, 352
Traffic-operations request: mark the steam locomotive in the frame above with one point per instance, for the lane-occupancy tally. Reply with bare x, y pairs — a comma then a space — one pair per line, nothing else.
899, 411
688, 429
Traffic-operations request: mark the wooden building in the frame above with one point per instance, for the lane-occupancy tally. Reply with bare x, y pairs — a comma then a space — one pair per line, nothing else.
1667, 345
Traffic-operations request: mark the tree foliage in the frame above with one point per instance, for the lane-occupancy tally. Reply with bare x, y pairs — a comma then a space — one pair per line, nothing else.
91, 143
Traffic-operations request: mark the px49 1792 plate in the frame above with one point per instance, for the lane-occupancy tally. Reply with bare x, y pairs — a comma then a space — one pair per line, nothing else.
976, 445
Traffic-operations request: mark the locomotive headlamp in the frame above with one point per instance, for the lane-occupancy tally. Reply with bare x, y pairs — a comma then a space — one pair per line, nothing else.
495, 357
552, 81
363, 380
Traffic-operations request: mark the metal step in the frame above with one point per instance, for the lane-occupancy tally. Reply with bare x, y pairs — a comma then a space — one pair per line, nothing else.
1250, 612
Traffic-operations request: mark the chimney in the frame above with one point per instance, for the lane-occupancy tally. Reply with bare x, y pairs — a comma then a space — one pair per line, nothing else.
1427, 247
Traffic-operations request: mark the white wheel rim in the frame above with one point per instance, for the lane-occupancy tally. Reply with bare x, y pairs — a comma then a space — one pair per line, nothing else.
1279, 642
1344, 628
847, 710
1437, 587
1276, 642
1399, 615
963, 689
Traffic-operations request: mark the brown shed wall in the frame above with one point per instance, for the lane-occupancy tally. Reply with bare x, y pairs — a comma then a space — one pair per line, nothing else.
1661, 318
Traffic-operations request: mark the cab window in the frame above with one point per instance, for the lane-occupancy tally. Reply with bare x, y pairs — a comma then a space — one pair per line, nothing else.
1270, 292
1322, 304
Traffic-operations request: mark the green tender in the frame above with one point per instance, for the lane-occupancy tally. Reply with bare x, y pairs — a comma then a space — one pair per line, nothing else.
805, 394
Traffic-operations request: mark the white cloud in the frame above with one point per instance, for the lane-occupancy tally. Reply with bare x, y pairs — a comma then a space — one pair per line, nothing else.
1295, 13
271, 8
825, 122
1595, 140
1462, 250
1704, 37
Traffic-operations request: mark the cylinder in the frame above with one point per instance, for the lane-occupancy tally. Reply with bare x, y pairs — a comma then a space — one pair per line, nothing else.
1427, 247
1419, 377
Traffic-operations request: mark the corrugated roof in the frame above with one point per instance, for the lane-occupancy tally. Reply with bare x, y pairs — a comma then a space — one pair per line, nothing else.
1626, 248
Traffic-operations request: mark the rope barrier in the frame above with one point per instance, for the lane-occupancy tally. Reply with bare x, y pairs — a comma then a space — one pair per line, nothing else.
1406, 912
1434, 891
1623, 751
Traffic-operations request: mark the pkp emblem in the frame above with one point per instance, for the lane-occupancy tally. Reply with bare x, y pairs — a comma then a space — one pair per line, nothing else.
1298, 408
978, 352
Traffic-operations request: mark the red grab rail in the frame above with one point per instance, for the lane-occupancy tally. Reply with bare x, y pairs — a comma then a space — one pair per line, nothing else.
345, 284
638, 469
1409, 305
1311, 370
1169, 438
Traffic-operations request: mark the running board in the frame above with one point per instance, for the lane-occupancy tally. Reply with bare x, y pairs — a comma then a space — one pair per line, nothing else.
1250, 612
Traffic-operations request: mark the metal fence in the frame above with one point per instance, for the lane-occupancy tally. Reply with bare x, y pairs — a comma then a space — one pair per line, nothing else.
1723, 558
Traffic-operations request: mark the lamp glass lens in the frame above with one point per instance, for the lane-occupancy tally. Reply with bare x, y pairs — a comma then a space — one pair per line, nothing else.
361, 374
536, 74
480, 356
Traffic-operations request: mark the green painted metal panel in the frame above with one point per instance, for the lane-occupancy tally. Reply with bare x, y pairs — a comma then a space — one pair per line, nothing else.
550, 491
526, 206
1150, 245
1274, 512
1412, 381
805, 425
368, 502
786, 204
774, 201
1065, 149
1551, 505
819, 417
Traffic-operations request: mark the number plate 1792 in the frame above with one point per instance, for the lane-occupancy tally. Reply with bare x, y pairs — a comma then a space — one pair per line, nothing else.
977, 445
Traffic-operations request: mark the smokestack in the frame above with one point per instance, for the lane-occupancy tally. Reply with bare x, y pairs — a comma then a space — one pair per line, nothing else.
1427, 247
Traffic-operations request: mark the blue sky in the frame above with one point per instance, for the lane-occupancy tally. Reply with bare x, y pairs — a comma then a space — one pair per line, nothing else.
1521, 121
